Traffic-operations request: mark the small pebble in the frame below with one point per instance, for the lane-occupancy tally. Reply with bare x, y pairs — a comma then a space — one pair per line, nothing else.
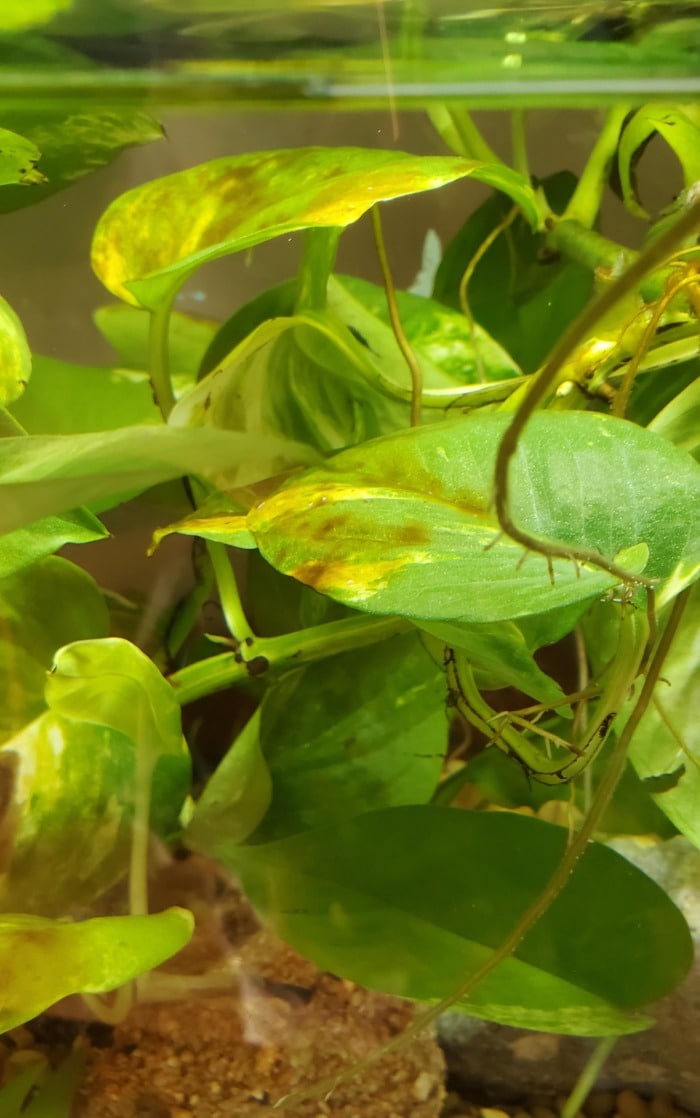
631, 1105
661, 1106
599, 1104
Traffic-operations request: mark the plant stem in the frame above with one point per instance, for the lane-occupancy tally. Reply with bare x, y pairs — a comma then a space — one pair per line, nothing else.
159, 359
587, 1079
227, 586
585, 203
415, 371
285, 652
521, 162
461, 135
318, 257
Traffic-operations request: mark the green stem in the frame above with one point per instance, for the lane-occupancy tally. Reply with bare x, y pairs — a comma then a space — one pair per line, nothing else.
588, 196
587, 1079
521, 162
227, 586
461, 135
159, 359
414, 368
318, 257
286, 652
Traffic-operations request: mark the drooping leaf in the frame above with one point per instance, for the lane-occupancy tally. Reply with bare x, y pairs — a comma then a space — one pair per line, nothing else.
369, 731
43, 961
404, 525
666, 747
126, 329
15, 354
536, 295
236, 796
67, 399
42, 607
678, 125
153, 237
72, 145
44, 475
348, 897
25, 546
107, 755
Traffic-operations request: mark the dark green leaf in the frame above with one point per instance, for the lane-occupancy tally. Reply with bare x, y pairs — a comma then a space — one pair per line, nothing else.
410, 899
369, 731
153, 237
73, 145
537, 296
43, 961
404, 525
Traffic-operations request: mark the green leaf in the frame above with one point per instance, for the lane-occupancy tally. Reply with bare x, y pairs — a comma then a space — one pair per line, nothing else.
679, 421
499, 654
450, 351
16, 15
277, 302
351, 898
404, 525
18, 161
42, 607
679, 126
666, 746
13, 1095
73, 145
42, 475
236, 796
15, 354
107, 756
153, 237
537, 296
43, 961
23, 547
304, 378
369, 731
66, 399
127, 331
56, 1095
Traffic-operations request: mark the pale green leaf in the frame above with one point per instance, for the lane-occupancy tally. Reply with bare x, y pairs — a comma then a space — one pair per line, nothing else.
15, 354
43, 961
678, 125
44, 475
25, 546
18, 160
42, 607
153, 237
679, 421
18, 15
127, 331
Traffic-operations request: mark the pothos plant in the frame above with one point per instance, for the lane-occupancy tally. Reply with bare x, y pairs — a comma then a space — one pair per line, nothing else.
422, 490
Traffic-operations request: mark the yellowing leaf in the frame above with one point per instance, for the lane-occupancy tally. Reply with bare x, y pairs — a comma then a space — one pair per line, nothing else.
153, 237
